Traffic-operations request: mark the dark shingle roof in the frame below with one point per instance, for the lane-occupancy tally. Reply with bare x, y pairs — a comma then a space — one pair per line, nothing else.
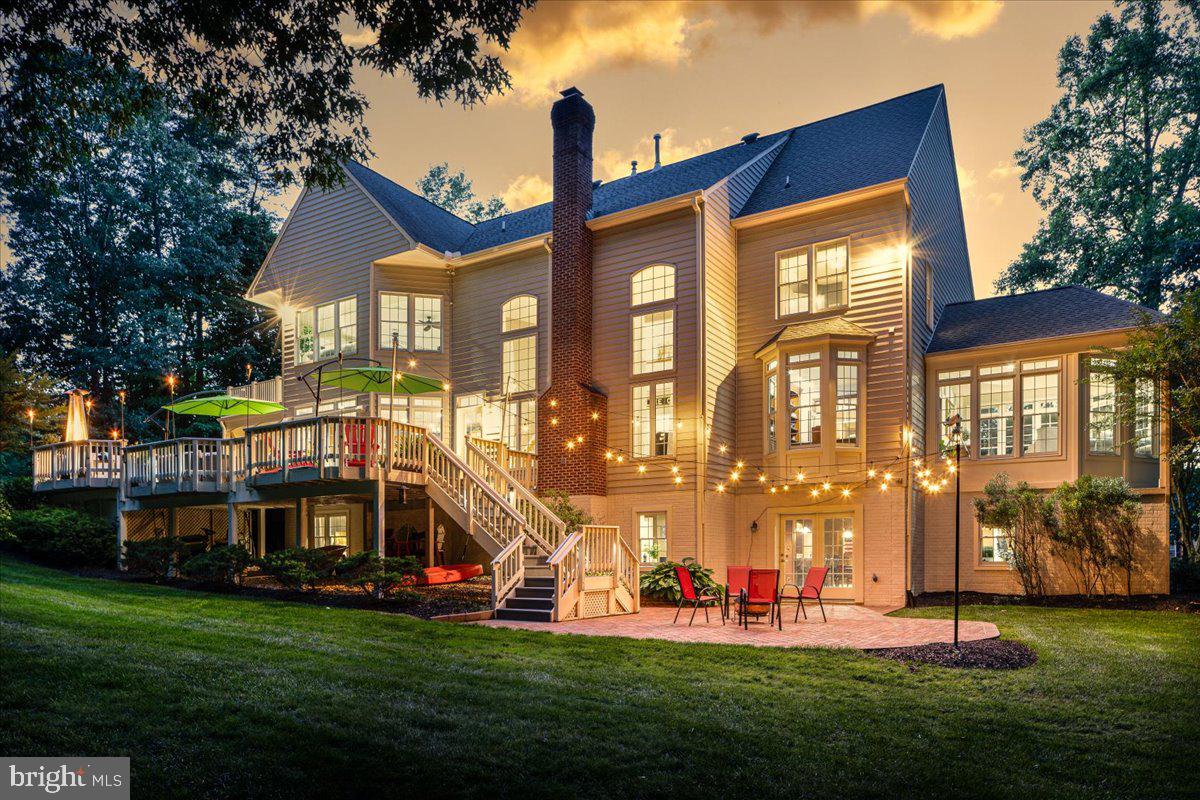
830, 326
429, 224
1062, 311
860, 148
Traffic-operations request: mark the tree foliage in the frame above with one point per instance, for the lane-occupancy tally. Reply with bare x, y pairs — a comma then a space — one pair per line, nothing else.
1116, 164
282, 70
1097, 529
1029, 515
455, 193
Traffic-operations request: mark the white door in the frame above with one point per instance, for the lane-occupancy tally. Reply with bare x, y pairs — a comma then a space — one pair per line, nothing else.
797, 549
822, 540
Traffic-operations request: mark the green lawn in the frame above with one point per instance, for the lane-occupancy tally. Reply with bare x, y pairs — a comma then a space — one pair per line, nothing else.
224, 697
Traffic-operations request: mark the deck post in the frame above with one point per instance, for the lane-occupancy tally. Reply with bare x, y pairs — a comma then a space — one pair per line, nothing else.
377, 517
231, 539
173, 533
262, 532
300, 521
122, 532
430, 535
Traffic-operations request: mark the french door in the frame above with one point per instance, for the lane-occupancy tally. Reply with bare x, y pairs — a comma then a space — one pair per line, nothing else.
819, 540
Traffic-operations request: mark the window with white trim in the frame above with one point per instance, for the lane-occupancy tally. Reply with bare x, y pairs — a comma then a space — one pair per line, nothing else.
422, 410
653, 419
831, 275
427, 323
520, 425
305, 343
1039, 406
792, 268
654, 341
996, 414
348, 325
326, 330
519, 364
772, 398
393, 319
846, 407
652, 536
812, 278
331, 528
995, 545
653, 284
1145, 420
519, 313
954, 397
1102, 407
804, 398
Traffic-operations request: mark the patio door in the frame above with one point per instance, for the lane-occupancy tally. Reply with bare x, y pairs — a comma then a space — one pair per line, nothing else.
822, 540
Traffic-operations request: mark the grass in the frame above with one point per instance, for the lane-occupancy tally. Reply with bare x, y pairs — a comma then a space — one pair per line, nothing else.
220, 696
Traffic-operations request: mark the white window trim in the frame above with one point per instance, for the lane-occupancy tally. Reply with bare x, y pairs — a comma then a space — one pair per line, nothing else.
637, 534
649, 303
811, 249
537, 308
653, 423
645, 311
980, 564
409, 346
336, 304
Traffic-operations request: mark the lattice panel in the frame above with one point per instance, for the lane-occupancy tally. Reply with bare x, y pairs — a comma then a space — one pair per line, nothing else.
142, 525
595, 604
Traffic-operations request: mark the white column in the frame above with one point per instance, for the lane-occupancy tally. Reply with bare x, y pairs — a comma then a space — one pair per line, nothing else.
231, 538
122, 532
378, 521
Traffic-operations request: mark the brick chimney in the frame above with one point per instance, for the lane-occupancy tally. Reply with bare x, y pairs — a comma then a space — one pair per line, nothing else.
566, 409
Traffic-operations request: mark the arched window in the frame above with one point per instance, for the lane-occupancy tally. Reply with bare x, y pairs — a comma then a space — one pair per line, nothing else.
519, 313
653, 284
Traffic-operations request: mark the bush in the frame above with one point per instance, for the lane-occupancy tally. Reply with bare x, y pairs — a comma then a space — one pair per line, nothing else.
661, 583
1185, 576
222, 565
1097, 529
378, 577
296, 568
17, 493
560, 503
1029, 514
153, 557
62, 536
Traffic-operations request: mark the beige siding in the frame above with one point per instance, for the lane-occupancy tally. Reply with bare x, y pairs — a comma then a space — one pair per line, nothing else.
419, 280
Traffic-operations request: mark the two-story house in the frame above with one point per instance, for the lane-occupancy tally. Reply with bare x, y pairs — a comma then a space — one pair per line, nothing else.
746, 357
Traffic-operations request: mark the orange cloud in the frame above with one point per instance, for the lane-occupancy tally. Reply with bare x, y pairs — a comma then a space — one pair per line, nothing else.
612, 163
1004, 170
945, 19
526, 191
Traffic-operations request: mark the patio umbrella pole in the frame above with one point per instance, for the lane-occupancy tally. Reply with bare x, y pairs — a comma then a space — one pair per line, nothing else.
392, 396
957, 514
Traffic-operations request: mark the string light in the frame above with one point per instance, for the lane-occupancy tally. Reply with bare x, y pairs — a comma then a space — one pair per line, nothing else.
678, 480
554, 421
762, 478
553, 403
595, 415
642, 469
608, 455
871, 472
845, 491
826, 486
723, 449
720, 487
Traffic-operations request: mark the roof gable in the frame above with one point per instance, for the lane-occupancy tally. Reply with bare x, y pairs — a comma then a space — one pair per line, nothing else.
1046, 314
429, 224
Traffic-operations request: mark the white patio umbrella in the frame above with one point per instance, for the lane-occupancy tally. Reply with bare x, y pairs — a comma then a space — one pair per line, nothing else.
77, 426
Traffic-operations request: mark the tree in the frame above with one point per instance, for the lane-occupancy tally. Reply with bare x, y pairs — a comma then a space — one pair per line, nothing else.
20, 391
281, 70
1029, 515
1096, 529
1165, 355
455, 193
1116, 164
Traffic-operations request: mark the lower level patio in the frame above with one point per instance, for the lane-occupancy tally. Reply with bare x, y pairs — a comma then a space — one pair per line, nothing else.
853, 626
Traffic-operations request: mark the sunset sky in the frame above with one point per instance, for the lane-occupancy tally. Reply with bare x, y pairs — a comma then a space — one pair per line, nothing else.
704, 74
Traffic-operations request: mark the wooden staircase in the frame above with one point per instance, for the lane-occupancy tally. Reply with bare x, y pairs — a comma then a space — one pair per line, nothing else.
533, 599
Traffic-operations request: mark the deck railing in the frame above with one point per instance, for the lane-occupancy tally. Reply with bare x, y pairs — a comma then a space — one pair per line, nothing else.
520, 464
95, 463
508, 570
330, 446
488, 511
545, 528
184, 465
595, 574
270, 390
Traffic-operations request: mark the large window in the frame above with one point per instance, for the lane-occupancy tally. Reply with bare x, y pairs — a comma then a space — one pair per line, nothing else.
1102, 407
416, 320
995, 545
653, 284
804, 399
519, 313
847, 397
327, 330
425, 411
1039, 406
995, 414
348, 325
331, 528
653, 342
427, 323
954, 397
652, 536
1145, 420
393, 319
520, 424
813, 278
839, 551
326, 338
519, 367
654, 419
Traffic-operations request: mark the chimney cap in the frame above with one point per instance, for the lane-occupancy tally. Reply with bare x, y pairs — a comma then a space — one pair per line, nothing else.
750, 137
571, 91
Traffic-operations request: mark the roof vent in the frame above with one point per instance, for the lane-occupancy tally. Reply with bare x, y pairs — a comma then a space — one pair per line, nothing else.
503, 224
657, 141
596, 184
749, 137
632, 168
787, 180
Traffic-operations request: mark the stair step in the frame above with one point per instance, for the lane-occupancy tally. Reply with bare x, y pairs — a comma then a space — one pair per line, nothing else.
543, 583
546, 592
525, 615
529, 602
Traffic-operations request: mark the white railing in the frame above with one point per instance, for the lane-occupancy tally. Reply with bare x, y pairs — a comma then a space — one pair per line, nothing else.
508, 570
92, 463
270, 390
334, 447
595, 574
183, 465
487, 511
522, 466
545, 528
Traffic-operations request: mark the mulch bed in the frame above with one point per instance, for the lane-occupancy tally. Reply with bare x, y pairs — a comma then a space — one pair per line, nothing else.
1186, 603
984, 654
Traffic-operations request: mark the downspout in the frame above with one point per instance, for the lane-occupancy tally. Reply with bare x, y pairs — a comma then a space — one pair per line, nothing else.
906, 447
701, 372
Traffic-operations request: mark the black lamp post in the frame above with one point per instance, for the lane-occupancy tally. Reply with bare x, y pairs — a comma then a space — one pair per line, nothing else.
956, 436
121, 397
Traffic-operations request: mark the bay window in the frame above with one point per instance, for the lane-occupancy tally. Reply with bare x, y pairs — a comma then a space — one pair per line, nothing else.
847, 397
1145, 420
1039, 406
804, 398
772, 399
1102, 407
995, 414
954, 397
654, 419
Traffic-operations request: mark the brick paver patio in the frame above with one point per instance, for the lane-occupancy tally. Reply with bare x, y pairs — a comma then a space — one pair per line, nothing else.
849, 626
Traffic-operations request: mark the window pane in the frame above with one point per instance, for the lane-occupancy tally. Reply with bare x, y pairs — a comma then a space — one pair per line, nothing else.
427, 413
519, 365
520, 426
348, 325
664, 418
393, 318
831, 273
653, 284
839, 551
331, 529
397, 414
652, 536
1145, 421
641, 421
996, 417
793, 283
519, 313
847, 403
427, 319
304, 336
954, 399
804, 405
954, 374
997, 369
995, 545
1048, 363
1039, 413
772, 399
326, 346
1102, 411
653, 342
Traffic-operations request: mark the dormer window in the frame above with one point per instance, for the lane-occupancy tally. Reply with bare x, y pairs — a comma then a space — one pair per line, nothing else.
813, 278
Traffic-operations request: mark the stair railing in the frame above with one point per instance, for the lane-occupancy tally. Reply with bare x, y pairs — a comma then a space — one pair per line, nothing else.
545, 530
508, 570
566, 562
484, 506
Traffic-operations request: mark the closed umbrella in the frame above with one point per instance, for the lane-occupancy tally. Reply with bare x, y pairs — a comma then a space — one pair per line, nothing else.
77, 426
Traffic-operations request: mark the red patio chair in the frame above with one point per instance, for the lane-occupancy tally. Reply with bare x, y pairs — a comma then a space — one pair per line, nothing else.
762, 589
737, 578
814, 582
699, 599
360, 442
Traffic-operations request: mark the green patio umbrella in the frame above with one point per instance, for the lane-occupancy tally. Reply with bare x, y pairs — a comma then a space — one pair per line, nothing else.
223, 405
378, 379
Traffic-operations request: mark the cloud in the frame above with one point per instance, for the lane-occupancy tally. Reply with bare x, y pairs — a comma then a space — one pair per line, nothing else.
996, 199
360, 38
560, 43
966, 179
612, 164
1003, 171
526, 191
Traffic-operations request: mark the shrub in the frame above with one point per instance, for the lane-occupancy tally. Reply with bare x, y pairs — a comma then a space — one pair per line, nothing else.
378, 577
1029, 514
1185, 576
1097, 529
297, 568
662, 584
17, 493
222, 565
63, 536
560, 503
153, 557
